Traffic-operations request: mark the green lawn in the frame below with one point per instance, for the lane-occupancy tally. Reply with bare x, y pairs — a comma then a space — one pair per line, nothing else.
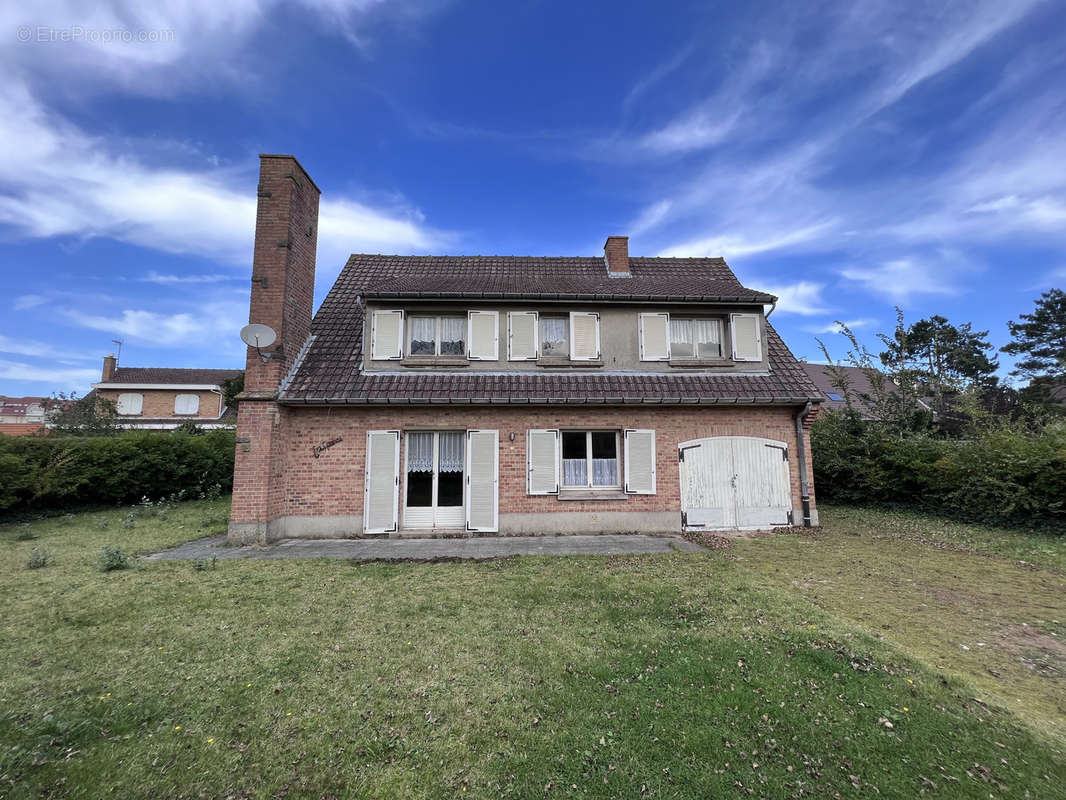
729, 673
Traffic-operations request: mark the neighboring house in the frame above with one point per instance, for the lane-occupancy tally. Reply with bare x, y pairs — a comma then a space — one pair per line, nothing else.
859, 386
161, 398
20, 416
435, 395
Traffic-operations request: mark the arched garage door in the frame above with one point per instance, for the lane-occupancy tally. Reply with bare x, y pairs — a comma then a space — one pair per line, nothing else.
734, 482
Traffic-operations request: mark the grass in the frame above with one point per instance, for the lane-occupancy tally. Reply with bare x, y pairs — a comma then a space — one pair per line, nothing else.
686, 675
984, 605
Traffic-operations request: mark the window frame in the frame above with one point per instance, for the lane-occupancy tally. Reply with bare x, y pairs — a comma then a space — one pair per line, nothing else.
565, 354
437, 326
696, 357
140, 404
195, 412
590, 486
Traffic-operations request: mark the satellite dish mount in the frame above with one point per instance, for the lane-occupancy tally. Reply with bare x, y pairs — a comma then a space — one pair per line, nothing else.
259, 336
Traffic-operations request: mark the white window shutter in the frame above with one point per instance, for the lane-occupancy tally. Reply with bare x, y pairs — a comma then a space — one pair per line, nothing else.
639, 458
484, 335
542, 461
746, 334
130, 403
186, 404
522, 342
584, 336
654, 337
381, 491
386, 335
482, 480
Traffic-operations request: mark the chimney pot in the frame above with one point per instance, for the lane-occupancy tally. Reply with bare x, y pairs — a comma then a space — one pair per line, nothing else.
616, 254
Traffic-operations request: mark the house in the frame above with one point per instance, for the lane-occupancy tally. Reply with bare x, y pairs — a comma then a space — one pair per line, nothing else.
863, 394
453, 395
161, 398
20, 416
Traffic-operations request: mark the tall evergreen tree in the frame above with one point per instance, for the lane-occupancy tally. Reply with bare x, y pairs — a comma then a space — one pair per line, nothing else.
1041, 338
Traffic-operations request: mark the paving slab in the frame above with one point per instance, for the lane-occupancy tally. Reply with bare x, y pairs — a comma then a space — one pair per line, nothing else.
479, 548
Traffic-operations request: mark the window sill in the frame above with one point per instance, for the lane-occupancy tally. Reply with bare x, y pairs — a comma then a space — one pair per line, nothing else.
566, 363
592, 494
701, 363
435, 361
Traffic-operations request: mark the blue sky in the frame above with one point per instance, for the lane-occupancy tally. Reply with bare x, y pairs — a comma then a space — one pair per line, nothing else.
848, 157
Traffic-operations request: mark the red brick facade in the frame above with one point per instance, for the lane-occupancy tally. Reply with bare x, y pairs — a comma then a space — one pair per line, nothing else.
279, 477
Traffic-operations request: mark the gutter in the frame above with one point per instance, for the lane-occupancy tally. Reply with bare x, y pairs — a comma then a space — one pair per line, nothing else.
543, 401
801, 460
563, 297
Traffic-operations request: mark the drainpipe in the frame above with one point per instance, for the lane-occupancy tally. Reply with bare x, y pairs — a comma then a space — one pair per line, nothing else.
801, 459
773, 306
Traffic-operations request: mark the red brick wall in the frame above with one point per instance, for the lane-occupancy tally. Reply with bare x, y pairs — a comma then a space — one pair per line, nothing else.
333, 483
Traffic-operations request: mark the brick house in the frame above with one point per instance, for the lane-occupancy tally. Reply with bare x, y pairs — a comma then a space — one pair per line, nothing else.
441, 395
161, 398
21, 416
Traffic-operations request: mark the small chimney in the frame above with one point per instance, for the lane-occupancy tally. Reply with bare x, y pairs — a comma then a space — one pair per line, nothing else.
616, 254
108, 372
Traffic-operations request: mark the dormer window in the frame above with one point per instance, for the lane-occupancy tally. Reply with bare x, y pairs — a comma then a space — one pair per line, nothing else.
554, 336
437, 335
695, 338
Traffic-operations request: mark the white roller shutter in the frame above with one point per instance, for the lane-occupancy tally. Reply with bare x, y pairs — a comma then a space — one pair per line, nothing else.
542, 461
382, 484
130, 403
386, 335
584, 336
484, 335
654, 337
640, 461
482, 480
522, 336
186, 404
746, 334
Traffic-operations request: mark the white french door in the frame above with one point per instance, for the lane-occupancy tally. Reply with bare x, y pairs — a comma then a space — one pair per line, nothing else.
433, 482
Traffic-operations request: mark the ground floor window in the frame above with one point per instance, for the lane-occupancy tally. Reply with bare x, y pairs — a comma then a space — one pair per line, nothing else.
590, 459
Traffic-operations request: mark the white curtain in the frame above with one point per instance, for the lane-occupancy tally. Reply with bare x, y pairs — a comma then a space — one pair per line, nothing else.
452, 333
420, 452
423, 335
451, 451
575, 473
681, 338
553, 335
708, 337
605, 472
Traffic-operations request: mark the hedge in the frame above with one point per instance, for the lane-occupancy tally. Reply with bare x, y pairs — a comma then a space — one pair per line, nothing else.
59, 472
1000, 477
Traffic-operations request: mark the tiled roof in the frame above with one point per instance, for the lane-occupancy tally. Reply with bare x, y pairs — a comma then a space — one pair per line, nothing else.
704, 279
331, 370
167, 375
859, 386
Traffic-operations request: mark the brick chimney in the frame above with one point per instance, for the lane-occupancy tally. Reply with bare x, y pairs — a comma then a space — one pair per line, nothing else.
283, 267
616, 254
108, 372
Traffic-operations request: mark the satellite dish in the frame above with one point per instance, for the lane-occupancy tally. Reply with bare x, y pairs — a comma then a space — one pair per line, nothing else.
256, 335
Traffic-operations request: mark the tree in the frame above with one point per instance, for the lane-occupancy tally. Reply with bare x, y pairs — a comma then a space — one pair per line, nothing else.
1041, 338
942, 358
91, 415
231, 388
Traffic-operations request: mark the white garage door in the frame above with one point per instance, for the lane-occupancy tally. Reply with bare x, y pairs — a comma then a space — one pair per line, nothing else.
734, 482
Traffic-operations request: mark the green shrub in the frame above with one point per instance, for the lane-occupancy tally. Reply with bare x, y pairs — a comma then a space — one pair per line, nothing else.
66, 471
40, 557
112, 558
1000, 476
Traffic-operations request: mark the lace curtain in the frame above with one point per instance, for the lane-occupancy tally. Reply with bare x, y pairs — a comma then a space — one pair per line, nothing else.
420, 452
604, 472
553, 336
451, 451
452, 334
690, 338
423, 336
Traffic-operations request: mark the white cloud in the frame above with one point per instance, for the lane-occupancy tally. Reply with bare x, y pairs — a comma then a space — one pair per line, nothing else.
834, 327
58, 379
803, 297
30, 347
27, 301
697, 130
900, 279
155, 277
730, 245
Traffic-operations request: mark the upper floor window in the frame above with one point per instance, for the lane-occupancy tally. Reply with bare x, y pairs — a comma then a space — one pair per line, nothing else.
554, 336
130, 404
695, 338
187, 404
437, 336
